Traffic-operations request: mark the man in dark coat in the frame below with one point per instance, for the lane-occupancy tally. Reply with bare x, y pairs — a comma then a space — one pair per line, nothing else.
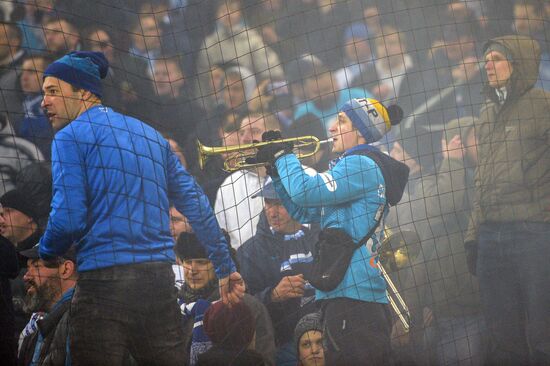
50, 287
272, 262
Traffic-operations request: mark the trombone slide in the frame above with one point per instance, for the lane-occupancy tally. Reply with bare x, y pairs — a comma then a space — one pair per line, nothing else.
396, 301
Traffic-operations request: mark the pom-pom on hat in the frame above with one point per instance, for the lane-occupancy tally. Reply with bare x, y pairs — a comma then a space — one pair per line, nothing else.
82, 69
371, 118
230, 327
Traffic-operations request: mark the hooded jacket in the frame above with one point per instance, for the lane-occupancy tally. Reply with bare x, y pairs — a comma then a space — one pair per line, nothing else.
513, 176
265, 259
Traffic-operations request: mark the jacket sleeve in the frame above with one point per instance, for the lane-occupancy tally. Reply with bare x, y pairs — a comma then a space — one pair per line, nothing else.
350, 179
69, 207
301, 214
445, 191
190, 200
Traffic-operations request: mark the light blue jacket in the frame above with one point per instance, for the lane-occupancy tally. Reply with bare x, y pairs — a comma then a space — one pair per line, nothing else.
113, 180
346, 197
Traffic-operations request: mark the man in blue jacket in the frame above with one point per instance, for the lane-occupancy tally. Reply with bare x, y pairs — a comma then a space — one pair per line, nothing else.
114, 178
349, 197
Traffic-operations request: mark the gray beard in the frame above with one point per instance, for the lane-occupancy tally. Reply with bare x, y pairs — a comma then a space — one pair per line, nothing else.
42, 299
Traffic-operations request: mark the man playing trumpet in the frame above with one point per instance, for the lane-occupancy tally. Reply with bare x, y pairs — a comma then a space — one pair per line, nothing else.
349, 200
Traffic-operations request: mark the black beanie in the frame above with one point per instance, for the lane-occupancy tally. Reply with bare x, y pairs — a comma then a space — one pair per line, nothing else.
18, 201
189, 247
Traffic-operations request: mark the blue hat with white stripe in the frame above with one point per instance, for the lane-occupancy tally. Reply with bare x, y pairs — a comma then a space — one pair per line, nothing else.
371, 118
82, 69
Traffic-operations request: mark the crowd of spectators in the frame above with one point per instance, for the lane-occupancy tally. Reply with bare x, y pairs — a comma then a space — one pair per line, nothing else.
223, 72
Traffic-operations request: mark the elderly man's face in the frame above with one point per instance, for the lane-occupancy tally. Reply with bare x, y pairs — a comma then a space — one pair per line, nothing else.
498, 69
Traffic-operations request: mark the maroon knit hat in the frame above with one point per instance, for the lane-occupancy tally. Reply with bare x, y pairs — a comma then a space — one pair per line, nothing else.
230, 327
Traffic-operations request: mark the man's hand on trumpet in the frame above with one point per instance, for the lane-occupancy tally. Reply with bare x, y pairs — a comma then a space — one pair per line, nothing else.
269, 153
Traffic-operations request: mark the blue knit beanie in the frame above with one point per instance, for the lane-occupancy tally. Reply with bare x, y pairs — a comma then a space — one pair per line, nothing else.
368, 116
82, 69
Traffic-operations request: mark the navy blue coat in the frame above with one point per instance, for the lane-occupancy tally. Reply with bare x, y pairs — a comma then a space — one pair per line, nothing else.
264, 260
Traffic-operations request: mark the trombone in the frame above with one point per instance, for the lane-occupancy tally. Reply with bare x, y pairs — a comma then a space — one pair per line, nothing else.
397, 250
398, 304
240, 153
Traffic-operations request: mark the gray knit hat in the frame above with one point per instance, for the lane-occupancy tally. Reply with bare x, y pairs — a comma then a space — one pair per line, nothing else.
308, 322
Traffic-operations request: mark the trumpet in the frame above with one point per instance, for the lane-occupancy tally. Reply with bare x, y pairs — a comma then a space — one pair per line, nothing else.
240, 153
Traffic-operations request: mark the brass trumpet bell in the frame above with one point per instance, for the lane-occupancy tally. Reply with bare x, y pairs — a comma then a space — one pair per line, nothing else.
399, 249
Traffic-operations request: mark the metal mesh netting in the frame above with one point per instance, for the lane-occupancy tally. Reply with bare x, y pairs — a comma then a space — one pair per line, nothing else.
463, 253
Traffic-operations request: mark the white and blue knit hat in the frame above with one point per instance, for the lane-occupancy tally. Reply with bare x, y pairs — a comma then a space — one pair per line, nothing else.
371, 118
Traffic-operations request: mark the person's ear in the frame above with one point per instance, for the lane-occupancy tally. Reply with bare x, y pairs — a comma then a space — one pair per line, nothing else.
85, 94
67, 269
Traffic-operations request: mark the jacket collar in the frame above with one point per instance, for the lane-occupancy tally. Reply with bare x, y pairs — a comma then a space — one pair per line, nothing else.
50, 321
